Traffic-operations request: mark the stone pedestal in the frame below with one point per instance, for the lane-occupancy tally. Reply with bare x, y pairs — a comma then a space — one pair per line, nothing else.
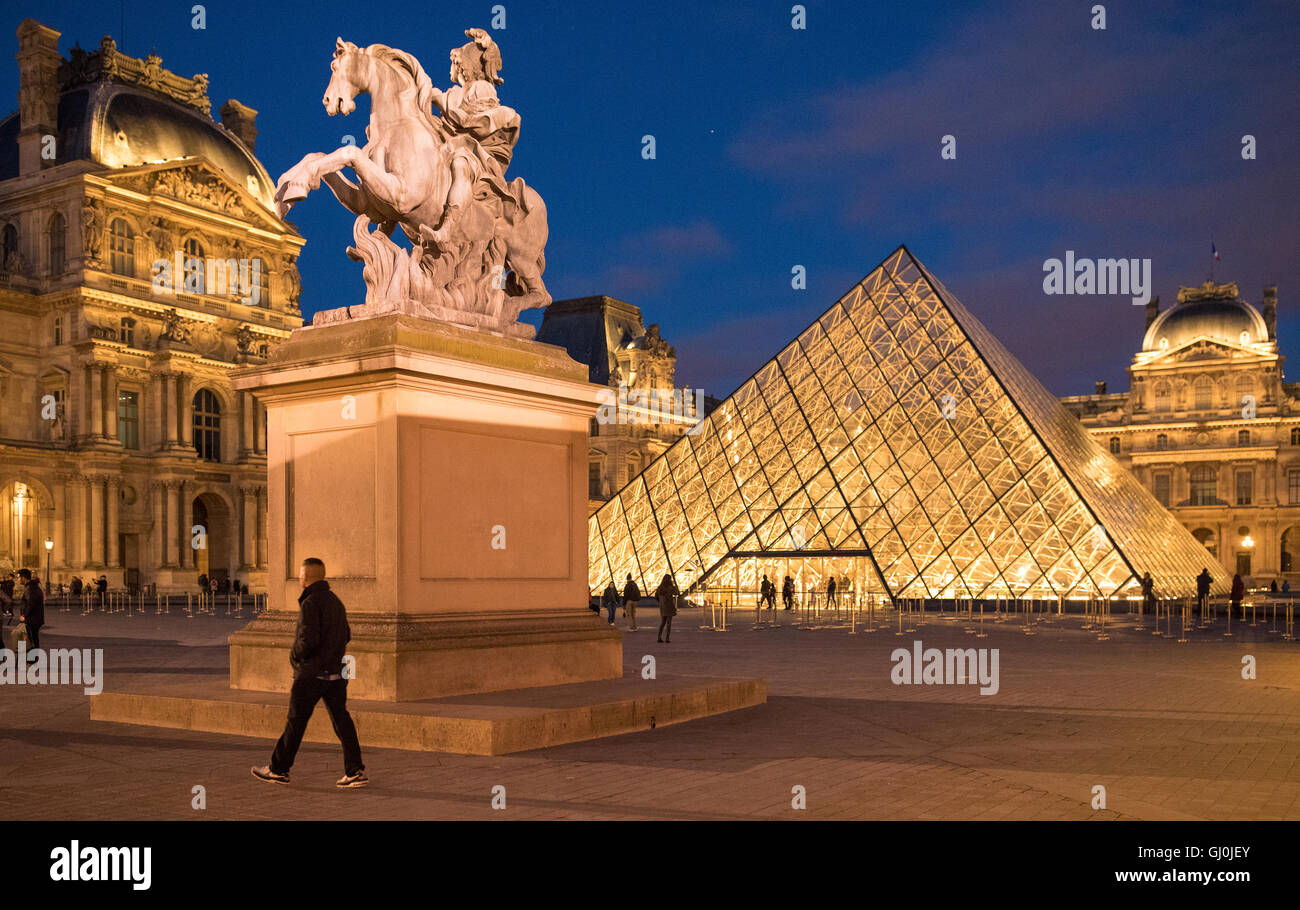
440, 473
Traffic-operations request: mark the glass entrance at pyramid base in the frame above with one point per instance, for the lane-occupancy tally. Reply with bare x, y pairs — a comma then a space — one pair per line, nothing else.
738, 581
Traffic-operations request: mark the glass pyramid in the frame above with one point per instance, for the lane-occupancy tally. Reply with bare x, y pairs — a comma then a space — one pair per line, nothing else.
896, 439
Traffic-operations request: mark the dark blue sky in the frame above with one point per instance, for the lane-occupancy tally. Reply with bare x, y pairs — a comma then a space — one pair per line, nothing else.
820, 147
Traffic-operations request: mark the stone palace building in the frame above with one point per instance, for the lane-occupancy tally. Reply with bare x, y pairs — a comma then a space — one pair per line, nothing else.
1210, 427
124, 450
639, 367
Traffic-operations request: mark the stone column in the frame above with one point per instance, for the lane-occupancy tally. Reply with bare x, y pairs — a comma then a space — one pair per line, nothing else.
169, 398
157, 547
110, 401
80, 513
262, 557
259, 427
185, 514
172, 534
155, 406
247, 440
114, 495
60, 534
96, 520
186, 411
248, 558
96, 402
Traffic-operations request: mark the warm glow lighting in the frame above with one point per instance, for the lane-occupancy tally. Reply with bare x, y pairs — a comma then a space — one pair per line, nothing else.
49, 543
1247, 541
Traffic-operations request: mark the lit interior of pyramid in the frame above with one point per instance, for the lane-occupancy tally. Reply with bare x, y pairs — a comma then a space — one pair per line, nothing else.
898, 447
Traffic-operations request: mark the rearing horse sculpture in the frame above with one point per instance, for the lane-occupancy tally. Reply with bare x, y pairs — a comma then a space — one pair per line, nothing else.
480, 267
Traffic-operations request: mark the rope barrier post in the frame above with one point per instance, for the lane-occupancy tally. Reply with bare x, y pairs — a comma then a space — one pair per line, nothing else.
1228, 634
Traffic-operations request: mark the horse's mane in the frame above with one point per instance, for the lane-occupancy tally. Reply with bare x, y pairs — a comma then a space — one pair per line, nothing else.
408, 65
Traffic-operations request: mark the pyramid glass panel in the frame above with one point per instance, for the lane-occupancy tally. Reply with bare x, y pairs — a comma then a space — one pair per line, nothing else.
897, 443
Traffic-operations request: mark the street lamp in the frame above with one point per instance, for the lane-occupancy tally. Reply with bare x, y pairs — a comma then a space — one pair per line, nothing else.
49, 547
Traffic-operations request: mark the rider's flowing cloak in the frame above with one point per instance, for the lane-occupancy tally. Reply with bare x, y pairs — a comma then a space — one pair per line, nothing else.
476, 113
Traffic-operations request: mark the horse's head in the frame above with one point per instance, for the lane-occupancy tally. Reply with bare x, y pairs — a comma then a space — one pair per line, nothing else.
348, 78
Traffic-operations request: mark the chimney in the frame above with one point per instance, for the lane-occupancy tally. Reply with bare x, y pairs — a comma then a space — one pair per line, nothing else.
1153, 310
1100, 386
239, 119
1270, 312
38, 92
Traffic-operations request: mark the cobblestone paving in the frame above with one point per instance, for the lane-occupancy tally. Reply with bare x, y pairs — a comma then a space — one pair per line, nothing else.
1171, 730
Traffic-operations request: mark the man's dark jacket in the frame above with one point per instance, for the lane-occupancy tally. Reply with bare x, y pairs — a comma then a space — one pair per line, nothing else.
33, 608
631, 591
322, 635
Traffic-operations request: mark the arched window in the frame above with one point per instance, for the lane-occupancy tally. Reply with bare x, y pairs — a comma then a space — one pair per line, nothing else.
121, 248
207, 425
8, 245
1162, 442
1205, 486
1243, 437
1162, 397
1204, 390
1245, 386
58, 244
1207, 539
1114, 445
194, 265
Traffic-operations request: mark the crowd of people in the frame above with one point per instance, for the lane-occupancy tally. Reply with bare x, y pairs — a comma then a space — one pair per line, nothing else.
667, 594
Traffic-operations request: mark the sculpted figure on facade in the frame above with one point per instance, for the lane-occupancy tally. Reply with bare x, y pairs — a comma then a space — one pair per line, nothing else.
92, 227
476, 241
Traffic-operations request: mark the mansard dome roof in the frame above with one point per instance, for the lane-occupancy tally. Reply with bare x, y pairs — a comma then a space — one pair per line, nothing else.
126, 118
1214, 312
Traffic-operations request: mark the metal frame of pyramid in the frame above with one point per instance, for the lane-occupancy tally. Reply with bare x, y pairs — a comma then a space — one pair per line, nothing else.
897, 429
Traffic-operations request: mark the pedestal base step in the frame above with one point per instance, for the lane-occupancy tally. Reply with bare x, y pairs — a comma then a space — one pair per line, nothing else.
493, 723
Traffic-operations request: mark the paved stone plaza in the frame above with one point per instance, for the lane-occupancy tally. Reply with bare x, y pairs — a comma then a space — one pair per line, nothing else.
1171, 730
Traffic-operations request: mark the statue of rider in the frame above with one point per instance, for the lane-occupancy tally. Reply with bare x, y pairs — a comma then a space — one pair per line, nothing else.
471, 109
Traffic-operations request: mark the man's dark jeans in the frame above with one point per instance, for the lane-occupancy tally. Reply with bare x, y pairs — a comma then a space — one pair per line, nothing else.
302, 702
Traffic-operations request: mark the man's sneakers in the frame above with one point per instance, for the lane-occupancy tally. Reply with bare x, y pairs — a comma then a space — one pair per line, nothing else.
352, 781
346, 782
265, 773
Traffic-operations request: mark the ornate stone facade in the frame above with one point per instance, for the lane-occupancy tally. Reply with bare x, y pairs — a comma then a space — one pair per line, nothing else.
609, 336
122, 439
1210, 427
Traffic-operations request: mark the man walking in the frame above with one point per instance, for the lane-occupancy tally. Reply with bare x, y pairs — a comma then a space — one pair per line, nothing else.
631, 594
317, 660
33, 611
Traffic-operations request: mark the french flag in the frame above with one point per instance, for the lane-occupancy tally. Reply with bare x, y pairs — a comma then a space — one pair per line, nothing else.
1215, 251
